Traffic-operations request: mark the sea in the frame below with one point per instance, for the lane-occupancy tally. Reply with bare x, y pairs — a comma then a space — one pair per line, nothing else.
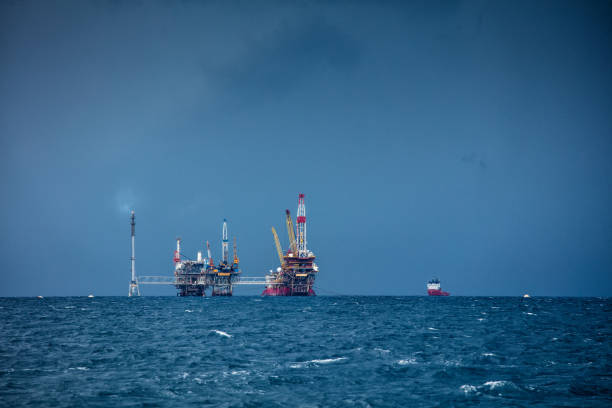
324, 351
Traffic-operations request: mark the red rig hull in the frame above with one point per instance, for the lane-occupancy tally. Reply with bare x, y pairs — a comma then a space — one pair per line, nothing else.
286, 291
437, 292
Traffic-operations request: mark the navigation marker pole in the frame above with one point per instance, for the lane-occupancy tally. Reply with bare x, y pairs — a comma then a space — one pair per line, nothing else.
134, 290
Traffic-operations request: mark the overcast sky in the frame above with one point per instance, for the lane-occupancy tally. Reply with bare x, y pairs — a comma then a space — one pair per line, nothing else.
471, 141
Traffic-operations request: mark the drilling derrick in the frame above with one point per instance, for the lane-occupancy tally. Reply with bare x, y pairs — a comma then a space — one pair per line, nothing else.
224, 242
134, 290
225, 274
297, 272
177, 254
301, 227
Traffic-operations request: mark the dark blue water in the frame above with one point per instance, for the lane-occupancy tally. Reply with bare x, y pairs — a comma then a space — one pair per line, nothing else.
322, 351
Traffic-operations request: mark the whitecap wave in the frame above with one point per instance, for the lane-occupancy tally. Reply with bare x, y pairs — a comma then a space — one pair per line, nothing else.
468, 389
316, 361
188, 311
221, 333
327, 360
409, 361
497, 384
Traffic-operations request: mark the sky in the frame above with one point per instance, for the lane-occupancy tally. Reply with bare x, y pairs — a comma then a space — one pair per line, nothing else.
467, 140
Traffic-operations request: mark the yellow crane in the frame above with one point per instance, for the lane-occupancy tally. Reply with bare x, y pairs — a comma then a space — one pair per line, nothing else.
291, 233
278, 248
235, 253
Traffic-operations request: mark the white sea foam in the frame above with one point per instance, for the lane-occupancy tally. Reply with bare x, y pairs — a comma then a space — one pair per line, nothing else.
239, 372
530, 314
184, 375
468, 389
317, 361
327, 360
69, 307
488, 354
79, 368
496, 384
432, 328
381, 350
221, 333
480, 320
188, 311
410, 361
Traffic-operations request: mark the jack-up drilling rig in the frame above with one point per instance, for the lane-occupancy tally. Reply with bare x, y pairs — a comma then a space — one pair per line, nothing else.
296, 275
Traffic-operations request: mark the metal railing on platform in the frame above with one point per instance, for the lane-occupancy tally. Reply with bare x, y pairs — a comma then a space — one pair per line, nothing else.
171, 280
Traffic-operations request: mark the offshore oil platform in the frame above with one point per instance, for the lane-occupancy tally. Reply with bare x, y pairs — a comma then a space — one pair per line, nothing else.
192, 278
294, 277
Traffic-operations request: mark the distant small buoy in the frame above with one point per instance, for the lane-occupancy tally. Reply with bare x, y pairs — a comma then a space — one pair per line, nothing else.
90, 296
39, 297
526, 295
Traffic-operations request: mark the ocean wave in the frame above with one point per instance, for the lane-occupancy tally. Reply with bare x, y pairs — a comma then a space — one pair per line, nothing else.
468, 389
494, 385
409, 361
301, 364
221, 333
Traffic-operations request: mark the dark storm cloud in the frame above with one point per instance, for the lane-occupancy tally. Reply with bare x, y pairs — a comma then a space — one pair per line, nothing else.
468, 140
282, 58
474, 159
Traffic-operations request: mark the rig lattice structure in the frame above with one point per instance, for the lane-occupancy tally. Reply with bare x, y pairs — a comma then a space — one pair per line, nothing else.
193, 278
296, 275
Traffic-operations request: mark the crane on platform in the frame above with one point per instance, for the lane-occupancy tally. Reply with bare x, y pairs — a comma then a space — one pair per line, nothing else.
210, 259
290, 231
236, 261
278, 248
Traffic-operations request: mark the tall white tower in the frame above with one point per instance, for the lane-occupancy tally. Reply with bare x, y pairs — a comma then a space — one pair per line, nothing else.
134, 290
224, 242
